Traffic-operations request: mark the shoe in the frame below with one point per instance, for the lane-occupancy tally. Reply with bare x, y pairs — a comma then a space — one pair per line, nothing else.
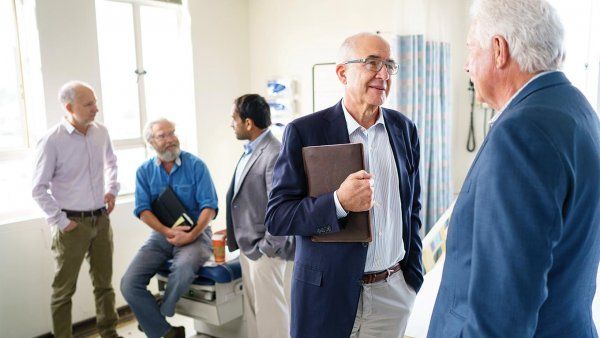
176, 332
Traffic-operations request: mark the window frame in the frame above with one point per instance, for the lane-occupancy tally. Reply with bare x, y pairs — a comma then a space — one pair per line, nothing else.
11, 153
139, 142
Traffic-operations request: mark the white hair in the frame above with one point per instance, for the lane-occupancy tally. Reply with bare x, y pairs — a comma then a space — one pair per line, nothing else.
148, 134
67, 92
531, 28
348, 47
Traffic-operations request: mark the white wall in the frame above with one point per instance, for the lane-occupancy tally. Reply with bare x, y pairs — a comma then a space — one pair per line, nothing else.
288, 37
221, 73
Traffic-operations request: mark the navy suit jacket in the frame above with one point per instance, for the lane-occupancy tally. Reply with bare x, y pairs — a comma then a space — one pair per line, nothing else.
327, 276
524, 238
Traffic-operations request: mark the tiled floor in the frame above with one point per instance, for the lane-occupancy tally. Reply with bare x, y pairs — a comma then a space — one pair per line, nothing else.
129, 329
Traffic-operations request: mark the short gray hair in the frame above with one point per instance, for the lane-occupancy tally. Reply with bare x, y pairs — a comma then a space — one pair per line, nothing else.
532, 29
148, 134
348, 47
67, 92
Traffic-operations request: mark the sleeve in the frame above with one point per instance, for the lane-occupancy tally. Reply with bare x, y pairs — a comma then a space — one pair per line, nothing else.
517, 222
206, 195
110, 168
290, 211
339, 210
143, 195
415, 265
44, 166
270, 245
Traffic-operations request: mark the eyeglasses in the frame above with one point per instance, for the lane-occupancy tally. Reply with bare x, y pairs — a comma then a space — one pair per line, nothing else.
162, 137
375, 64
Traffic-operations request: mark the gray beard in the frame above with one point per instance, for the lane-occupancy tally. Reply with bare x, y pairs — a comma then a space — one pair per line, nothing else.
169, 155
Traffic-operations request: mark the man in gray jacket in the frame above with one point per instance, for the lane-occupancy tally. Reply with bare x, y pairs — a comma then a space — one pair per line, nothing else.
263, 256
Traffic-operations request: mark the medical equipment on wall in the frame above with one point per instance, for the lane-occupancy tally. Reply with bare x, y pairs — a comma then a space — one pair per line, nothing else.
488, 115
281, 97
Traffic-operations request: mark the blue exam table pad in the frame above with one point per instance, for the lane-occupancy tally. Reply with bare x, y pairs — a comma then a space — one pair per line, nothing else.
210, 273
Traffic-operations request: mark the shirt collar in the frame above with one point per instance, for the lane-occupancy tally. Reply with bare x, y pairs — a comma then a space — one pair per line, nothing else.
70, 128
250, 146
353, 125
158, 162
517, 93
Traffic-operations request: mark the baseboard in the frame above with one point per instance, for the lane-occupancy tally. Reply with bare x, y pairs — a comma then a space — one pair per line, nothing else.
87, 327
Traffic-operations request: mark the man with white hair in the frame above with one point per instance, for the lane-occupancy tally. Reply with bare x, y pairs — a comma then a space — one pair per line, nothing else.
524, 238
190, 180
75, 184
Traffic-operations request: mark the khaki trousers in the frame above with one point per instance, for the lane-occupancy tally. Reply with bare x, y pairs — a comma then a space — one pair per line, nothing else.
91, 239
266, 309
384, 308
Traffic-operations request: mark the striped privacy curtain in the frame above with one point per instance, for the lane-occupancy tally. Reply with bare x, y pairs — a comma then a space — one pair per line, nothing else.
422, 92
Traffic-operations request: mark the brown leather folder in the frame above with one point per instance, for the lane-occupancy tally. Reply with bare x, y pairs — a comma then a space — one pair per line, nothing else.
326, 167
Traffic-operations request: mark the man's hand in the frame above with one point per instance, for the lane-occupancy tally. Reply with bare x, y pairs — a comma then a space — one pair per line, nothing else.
179, 236
72, 225
109, 200
356, 192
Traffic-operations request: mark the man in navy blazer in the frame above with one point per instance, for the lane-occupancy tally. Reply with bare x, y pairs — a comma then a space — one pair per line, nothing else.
353, 289
524, 238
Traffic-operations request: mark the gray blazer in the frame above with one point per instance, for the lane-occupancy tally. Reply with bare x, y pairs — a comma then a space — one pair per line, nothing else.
246, 208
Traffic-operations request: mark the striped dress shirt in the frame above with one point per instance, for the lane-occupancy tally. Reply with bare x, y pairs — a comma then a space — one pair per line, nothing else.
387, 247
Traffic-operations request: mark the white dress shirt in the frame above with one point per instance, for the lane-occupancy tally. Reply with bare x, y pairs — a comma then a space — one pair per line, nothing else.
70, 171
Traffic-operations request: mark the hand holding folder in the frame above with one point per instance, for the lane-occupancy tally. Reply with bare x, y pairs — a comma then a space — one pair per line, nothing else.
326, 167
170, 211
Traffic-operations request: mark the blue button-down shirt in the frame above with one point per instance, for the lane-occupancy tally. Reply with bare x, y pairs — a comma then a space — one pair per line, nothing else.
248, 149
189, 179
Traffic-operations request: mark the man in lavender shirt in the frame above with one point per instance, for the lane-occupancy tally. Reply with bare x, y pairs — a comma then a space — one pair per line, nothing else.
75, 184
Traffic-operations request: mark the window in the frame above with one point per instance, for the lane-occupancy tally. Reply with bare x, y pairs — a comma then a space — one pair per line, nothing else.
13, 130
145, 73
582, 31
20, 94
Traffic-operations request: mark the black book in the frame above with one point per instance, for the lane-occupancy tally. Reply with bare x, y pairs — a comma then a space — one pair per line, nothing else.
170, 211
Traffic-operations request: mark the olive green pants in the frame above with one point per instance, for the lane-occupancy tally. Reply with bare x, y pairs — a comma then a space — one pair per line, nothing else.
91, 239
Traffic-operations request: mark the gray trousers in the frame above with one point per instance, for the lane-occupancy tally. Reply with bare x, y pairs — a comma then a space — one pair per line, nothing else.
384, 308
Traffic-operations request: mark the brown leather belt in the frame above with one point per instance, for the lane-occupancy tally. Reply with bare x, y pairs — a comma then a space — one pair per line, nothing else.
369, 278
82, 214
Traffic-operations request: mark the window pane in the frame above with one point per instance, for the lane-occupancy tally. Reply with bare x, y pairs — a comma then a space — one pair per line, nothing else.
582, 50
12, 116
168, 83
116, 48
128, 160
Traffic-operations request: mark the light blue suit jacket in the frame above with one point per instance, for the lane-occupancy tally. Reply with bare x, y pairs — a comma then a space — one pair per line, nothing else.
524, 238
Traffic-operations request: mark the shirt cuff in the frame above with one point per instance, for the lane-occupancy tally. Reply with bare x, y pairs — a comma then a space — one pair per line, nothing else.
340, 212
63, 222
113, 190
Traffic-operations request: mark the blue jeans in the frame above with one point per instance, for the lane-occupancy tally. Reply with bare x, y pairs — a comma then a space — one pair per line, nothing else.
187, 260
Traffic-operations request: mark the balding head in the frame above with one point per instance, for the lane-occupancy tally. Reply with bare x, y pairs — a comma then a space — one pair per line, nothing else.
69, 90
349, 48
